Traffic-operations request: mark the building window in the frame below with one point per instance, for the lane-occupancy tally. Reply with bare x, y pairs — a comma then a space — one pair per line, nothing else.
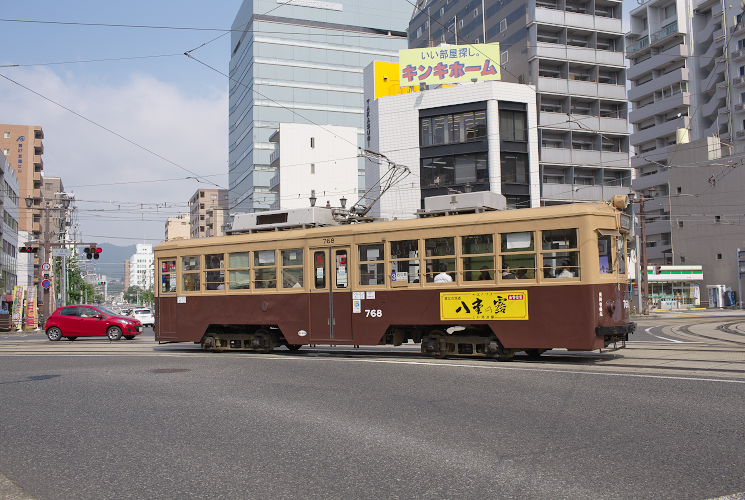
455, 128
456, 170
502, 25
717, 219
719, 256
6, 135
505, 57
312, 142
668, 11
312, 168
515, 168
513, 126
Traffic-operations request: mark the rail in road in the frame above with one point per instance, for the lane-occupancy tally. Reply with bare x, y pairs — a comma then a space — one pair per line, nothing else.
685, 347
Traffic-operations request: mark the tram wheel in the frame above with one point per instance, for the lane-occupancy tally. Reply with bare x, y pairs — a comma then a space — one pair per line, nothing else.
208, 343
262, 341
432, 344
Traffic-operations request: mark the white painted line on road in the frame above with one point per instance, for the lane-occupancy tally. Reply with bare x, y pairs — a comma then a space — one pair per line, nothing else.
548, 370
669, 340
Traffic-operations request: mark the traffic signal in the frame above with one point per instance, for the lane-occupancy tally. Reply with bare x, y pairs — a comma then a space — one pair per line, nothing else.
88, 254
28, 249
97, 253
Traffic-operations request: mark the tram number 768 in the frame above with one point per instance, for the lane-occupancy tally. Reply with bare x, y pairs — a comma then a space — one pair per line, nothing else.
373, 313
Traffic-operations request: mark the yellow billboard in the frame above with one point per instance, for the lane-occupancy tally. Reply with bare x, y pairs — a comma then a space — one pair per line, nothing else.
450, 64
387, 80
484, 305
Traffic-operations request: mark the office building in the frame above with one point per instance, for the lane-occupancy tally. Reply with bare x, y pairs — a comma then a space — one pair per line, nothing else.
178, 228
466, 138
207, 208
300, 61
572, 51
312, 161
687, 83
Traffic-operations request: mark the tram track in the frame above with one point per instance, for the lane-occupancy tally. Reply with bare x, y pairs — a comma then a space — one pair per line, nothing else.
725, 328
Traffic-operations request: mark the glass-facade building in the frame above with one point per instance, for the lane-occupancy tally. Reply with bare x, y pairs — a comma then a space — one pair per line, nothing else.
300, 61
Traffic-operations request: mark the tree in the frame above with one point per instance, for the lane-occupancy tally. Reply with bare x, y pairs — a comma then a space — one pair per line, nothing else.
133, 294
78, 290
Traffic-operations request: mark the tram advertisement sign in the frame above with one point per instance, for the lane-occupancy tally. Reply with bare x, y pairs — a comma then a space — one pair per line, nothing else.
484, 305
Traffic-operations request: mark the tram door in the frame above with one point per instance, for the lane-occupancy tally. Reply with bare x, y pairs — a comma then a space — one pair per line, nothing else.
330, 295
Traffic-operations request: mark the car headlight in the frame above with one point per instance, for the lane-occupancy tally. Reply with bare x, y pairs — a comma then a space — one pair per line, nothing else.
129, 322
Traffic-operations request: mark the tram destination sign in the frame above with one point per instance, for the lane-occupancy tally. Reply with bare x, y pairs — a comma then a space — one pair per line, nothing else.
484, 305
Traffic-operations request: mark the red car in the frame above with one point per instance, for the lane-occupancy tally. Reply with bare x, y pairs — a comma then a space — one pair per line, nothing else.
90, 321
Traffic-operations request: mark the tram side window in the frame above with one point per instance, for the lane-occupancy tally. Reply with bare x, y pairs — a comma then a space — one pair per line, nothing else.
214, 274
478, 257
319, 269
604, 253
621, 254
239, 272
265, 269
190, 273
292, 268
440, 254
560, 253
372, 267
518, 256
405, 262
167, 276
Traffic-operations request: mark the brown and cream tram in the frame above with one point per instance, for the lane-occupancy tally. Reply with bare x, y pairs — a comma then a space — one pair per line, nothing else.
486, 284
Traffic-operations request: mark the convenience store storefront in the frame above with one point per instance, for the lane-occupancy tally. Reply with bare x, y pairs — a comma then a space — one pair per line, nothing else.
675, 287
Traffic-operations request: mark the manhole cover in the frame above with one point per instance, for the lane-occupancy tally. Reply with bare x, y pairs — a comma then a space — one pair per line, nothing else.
169, 370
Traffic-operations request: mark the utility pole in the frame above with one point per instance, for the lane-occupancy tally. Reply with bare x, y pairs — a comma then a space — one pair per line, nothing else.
644, 278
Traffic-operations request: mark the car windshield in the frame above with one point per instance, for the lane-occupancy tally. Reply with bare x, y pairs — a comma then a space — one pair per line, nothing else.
107, 311
142, 311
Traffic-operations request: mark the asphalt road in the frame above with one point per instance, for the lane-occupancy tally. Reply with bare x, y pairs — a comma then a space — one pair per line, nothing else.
186, 424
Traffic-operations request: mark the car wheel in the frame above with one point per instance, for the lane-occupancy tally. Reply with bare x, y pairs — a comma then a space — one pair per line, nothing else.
71, 338
54, 333
114, 333
129, 337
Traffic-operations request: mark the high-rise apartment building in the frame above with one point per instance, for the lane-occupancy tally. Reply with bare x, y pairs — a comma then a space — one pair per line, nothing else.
687, 83
178, 228
572, 52
300, 61
23, 146
9, 200
141, 267
207, 208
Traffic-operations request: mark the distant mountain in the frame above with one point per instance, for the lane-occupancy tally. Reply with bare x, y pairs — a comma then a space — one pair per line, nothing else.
111, 261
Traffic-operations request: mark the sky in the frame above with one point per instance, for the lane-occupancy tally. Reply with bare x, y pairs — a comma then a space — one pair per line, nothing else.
170, 105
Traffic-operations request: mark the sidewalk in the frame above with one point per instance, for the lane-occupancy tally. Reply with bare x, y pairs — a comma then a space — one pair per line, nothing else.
695, 312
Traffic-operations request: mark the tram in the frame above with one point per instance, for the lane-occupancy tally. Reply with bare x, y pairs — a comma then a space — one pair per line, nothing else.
487, 284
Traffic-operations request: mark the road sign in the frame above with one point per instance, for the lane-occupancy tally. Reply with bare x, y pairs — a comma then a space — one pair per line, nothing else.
61, 252
46, 267
46, 283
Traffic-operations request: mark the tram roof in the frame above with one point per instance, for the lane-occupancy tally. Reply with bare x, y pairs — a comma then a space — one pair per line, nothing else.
515, 215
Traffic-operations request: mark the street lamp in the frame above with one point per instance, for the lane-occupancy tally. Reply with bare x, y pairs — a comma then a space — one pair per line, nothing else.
313, 198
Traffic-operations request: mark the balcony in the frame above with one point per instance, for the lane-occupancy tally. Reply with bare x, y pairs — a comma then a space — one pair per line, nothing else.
645, 89
653, 39
738, 55
635, 47
579, 54
740, 134
739, 108
274, 157
661, 106
577, 20
583, 122
659, 130
738, 81
647, 181
665, 57
581, 192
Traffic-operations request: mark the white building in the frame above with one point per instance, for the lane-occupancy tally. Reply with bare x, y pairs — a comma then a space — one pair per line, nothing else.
313, 160
10, 255
495, 147
141, 267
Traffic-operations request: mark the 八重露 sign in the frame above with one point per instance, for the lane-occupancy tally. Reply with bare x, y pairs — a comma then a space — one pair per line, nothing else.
484, 305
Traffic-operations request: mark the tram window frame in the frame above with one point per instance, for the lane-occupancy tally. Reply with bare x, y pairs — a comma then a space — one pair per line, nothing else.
168, 275
377, 264
513, 258
562, 258
234, 269
605, 254
260, 269
191, 273
294, 271
319, 279
468, 256
214, 267
435, 258
409, 263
